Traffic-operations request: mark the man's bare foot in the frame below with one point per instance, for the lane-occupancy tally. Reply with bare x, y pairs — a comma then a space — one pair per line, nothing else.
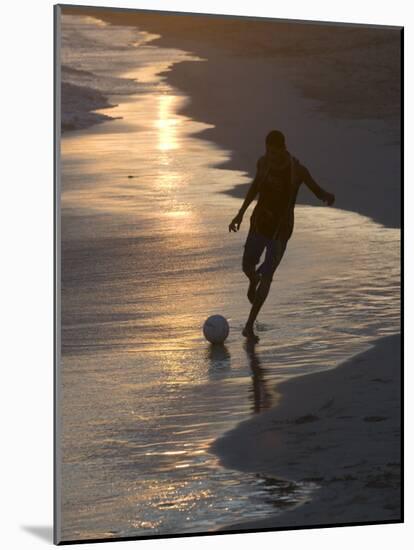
248, 333
251, 291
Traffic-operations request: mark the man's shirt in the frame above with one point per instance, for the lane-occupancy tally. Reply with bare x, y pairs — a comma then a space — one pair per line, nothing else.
277, 186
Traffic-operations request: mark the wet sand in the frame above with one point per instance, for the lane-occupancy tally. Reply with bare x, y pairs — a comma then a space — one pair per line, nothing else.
339, 429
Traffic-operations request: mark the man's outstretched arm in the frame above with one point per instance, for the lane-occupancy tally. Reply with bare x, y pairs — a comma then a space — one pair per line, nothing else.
328, 198
250, 196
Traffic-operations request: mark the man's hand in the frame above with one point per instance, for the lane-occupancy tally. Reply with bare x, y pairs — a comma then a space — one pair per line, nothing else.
235, 223
329, 199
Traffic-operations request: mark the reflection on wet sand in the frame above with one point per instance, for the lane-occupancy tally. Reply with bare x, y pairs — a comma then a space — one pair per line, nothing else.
260, 393
219, 359
167, 124
263, 397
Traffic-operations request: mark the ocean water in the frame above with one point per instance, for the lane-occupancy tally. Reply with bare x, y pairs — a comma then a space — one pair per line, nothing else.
146, 257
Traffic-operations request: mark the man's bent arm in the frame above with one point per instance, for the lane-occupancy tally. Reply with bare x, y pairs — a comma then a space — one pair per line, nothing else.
316, 189
250, 196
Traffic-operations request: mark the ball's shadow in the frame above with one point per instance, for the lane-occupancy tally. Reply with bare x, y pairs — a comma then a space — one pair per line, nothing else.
219, 360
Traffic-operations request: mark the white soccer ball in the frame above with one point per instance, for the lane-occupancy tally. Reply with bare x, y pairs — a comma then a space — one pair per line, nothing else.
216, 329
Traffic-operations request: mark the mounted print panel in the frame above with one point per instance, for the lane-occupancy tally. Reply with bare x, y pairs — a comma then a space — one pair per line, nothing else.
228, 274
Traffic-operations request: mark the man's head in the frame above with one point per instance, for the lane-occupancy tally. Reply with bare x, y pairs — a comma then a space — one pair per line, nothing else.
275, 144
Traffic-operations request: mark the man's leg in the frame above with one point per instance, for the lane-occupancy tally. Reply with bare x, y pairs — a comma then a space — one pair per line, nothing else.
260, 296
254, 280
253, 249
274, 254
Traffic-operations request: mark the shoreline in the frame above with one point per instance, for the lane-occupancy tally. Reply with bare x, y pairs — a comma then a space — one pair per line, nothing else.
339, 429
78, 108
251, 84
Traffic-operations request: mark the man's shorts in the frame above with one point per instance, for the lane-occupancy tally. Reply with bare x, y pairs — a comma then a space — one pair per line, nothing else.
254, 247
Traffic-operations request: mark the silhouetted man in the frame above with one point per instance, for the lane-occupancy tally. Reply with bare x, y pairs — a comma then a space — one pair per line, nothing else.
278, 178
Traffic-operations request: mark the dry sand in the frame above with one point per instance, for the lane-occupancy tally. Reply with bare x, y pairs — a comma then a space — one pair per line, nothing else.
339, 429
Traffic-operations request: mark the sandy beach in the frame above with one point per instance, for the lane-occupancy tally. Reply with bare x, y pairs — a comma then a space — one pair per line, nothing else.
336, 431
319, 84
339, 429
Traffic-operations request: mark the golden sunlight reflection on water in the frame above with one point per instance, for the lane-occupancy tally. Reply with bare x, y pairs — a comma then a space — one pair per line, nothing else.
167, 123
